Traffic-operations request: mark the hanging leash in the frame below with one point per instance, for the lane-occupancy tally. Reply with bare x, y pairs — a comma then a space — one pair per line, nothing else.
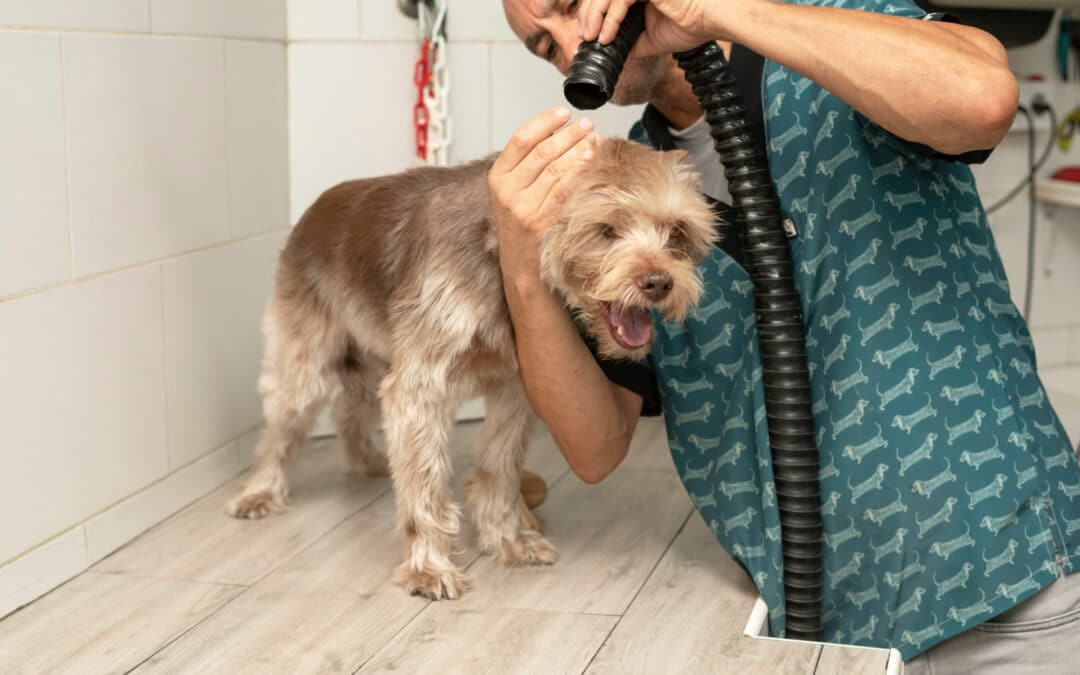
431, 112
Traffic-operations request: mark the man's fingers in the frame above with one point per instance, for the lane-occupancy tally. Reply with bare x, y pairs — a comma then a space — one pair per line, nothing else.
564, 166
614, 16
551, 150
592, 18
527, 136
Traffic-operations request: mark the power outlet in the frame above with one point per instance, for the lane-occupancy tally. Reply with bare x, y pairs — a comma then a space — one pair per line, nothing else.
1029, 90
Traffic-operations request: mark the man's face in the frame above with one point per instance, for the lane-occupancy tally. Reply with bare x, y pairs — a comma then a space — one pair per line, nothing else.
549, 30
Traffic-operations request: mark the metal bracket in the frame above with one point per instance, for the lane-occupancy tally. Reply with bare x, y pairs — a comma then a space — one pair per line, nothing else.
408, 8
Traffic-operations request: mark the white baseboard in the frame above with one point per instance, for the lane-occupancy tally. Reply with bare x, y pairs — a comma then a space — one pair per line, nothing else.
34, 574
42, 569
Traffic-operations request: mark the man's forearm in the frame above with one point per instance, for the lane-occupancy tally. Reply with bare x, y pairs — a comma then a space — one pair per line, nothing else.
941, 85
565, 386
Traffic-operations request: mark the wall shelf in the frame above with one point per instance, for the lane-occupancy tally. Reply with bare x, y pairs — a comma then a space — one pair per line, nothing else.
1058, 192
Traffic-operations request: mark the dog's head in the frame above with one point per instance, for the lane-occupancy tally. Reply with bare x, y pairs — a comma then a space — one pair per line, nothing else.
632, 230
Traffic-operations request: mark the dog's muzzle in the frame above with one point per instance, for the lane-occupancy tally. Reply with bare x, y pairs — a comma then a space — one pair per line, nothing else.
631, 327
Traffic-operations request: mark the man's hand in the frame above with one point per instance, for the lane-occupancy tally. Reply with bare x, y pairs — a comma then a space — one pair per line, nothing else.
670, 25
528, 183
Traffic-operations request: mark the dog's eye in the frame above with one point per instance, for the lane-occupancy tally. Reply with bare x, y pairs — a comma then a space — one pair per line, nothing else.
609, 232
678, 230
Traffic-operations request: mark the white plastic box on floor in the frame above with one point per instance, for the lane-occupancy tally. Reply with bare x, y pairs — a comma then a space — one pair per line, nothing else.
757, 627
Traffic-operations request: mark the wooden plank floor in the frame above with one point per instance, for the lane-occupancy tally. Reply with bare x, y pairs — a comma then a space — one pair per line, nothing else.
641, 586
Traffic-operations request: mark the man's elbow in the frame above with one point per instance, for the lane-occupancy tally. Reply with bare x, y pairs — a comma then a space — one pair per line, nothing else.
591, 475
998, 107
594, 466
985, 115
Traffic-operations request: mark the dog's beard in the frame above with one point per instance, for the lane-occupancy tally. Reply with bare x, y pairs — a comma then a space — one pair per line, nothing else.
605, 298
637, 214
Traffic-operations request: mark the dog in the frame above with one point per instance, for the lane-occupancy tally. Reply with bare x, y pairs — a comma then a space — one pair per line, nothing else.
391, 287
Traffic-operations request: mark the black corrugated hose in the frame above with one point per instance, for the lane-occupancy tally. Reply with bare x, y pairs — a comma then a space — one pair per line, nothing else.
589, 84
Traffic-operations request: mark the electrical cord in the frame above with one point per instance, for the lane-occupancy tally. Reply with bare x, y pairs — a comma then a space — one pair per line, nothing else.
1032, 171
1042, 160
1034, 166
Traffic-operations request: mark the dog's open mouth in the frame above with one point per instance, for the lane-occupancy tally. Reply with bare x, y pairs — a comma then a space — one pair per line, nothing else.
631, 327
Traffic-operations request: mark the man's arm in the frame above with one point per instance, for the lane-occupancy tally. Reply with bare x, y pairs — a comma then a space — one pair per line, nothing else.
939, 84
591, 419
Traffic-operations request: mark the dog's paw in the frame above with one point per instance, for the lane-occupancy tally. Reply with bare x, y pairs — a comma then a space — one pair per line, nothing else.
448, 583
254, 505
528, 549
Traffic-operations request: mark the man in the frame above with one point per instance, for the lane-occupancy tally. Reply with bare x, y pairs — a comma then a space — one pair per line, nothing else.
948, 484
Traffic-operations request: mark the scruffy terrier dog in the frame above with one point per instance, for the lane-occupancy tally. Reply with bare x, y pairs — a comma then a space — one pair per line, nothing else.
391, 287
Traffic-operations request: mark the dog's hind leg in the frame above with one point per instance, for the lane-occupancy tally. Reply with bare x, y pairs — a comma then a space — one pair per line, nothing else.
505, 526
295, 383
356, 414
418, 415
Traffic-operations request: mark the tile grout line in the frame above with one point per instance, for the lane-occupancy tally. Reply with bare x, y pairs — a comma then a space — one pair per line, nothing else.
142, 264
644, 582
67, 161
165, 371
817, 661
141, 490
184, 632
255, 582
403, 628
230, 225
131, 575
425, 608
14, 28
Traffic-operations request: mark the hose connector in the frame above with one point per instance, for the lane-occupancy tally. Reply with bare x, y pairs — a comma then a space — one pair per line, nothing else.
591, 81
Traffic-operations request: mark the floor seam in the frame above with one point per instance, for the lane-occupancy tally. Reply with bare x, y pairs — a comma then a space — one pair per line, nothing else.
644, 583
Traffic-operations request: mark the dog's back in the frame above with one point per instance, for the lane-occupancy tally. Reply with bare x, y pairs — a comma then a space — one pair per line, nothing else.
402, 262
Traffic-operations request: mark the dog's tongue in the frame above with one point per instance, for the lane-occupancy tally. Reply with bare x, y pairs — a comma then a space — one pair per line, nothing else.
634, 325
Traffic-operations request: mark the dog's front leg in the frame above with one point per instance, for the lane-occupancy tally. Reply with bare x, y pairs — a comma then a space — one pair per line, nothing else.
418, 415
506, 527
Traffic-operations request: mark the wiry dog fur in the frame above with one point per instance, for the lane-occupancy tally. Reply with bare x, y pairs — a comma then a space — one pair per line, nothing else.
391, 286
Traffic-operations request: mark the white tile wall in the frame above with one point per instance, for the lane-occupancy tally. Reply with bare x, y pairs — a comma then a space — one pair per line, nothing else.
323, 19
468, 21
146, 147
112, 529
470, 96
34, 238
1051, 345
121, 15
258, 146
348, 119
383, 21
121, 149
213, 308
83, 395
523, 86
228, 18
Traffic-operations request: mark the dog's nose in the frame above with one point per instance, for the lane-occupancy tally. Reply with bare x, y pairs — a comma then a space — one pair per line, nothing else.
655, 285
